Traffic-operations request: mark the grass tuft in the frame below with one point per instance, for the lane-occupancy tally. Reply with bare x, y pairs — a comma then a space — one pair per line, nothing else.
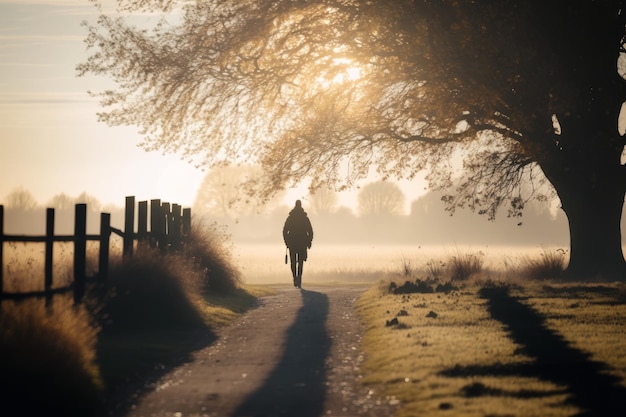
463, 266
48, 362
550, 265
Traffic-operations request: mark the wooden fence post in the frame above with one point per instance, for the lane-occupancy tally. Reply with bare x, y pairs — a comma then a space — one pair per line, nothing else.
155, 222
103, 256
163, 239
49, 248
129, 226
1, 250
80, 250
142, 224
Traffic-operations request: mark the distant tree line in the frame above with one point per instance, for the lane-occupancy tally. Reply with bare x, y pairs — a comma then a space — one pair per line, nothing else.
379, 217
25, 215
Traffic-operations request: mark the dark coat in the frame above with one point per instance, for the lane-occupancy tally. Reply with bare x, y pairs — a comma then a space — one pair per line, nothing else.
297, 231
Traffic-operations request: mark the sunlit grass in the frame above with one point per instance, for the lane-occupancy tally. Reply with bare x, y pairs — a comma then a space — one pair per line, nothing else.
448, 356
591, 316
221, 309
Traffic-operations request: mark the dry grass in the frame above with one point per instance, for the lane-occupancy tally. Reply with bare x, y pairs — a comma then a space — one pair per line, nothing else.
207, 248
452, 355
549, 265
48, 362
464, 265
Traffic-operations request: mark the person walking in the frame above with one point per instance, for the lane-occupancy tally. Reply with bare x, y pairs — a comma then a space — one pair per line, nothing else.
298, 236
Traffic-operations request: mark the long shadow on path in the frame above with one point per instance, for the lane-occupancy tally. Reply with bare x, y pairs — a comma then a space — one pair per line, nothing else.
589, 385
296, 387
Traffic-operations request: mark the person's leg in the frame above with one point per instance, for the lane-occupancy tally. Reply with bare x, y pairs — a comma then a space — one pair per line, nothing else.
293, 260
300, 267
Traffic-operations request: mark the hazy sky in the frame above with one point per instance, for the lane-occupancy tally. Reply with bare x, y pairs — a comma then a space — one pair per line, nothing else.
50, 140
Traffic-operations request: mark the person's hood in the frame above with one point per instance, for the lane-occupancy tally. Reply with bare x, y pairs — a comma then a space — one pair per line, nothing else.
297, 211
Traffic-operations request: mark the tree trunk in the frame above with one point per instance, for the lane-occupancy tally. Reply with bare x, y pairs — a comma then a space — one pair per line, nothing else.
595, 234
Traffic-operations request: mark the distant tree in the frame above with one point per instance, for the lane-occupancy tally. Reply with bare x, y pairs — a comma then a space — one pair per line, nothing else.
381, 198
61, 201
21, 199
520, 91
323, 201
223, 192
92, 202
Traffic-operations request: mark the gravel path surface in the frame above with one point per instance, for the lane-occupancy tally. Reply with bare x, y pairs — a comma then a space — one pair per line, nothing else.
295, 354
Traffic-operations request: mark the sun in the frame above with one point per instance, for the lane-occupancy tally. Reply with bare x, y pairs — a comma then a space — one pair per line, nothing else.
339, 71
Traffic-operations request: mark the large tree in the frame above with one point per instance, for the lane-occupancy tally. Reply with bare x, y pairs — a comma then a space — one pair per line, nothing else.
491, 96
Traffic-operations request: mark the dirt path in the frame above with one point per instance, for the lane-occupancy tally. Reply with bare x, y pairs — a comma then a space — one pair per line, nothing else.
295, 354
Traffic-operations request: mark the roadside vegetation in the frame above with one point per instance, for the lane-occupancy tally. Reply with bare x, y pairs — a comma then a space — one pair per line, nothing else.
515, 342
154, 310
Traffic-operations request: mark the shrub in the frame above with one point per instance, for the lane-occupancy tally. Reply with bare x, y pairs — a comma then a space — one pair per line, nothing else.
462, 266
550, 265
151, 291
48, 359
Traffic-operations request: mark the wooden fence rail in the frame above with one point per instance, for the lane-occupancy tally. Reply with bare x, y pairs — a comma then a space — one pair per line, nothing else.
170, 226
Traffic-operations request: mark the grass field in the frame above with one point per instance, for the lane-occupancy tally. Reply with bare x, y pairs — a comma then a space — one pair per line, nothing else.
533, 349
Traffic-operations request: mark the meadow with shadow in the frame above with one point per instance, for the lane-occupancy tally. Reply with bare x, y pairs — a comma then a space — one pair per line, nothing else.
497, 347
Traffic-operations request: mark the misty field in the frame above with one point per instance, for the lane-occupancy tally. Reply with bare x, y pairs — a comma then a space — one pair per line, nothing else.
262, 264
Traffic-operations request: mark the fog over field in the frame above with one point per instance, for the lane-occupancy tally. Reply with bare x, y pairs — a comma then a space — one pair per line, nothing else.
264, 263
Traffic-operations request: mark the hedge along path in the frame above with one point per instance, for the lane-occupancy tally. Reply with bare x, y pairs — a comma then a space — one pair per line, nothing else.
295, 353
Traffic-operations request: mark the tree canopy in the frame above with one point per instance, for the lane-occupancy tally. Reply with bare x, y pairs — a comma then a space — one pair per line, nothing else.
506, 92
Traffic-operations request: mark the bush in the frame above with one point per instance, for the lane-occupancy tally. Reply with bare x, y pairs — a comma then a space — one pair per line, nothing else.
48, 359
550, 265
152, 291
462, 266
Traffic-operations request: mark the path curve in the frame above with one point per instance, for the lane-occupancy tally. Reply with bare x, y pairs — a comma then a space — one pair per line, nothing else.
295, 354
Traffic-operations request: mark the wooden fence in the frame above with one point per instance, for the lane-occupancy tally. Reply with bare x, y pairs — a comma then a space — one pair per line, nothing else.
170, 226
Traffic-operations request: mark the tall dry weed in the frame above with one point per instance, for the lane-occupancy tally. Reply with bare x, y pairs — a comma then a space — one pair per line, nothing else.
207, 247
549, 265
464, 265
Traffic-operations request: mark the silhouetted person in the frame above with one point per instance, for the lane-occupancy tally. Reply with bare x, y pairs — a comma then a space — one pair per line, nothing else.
298, 236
